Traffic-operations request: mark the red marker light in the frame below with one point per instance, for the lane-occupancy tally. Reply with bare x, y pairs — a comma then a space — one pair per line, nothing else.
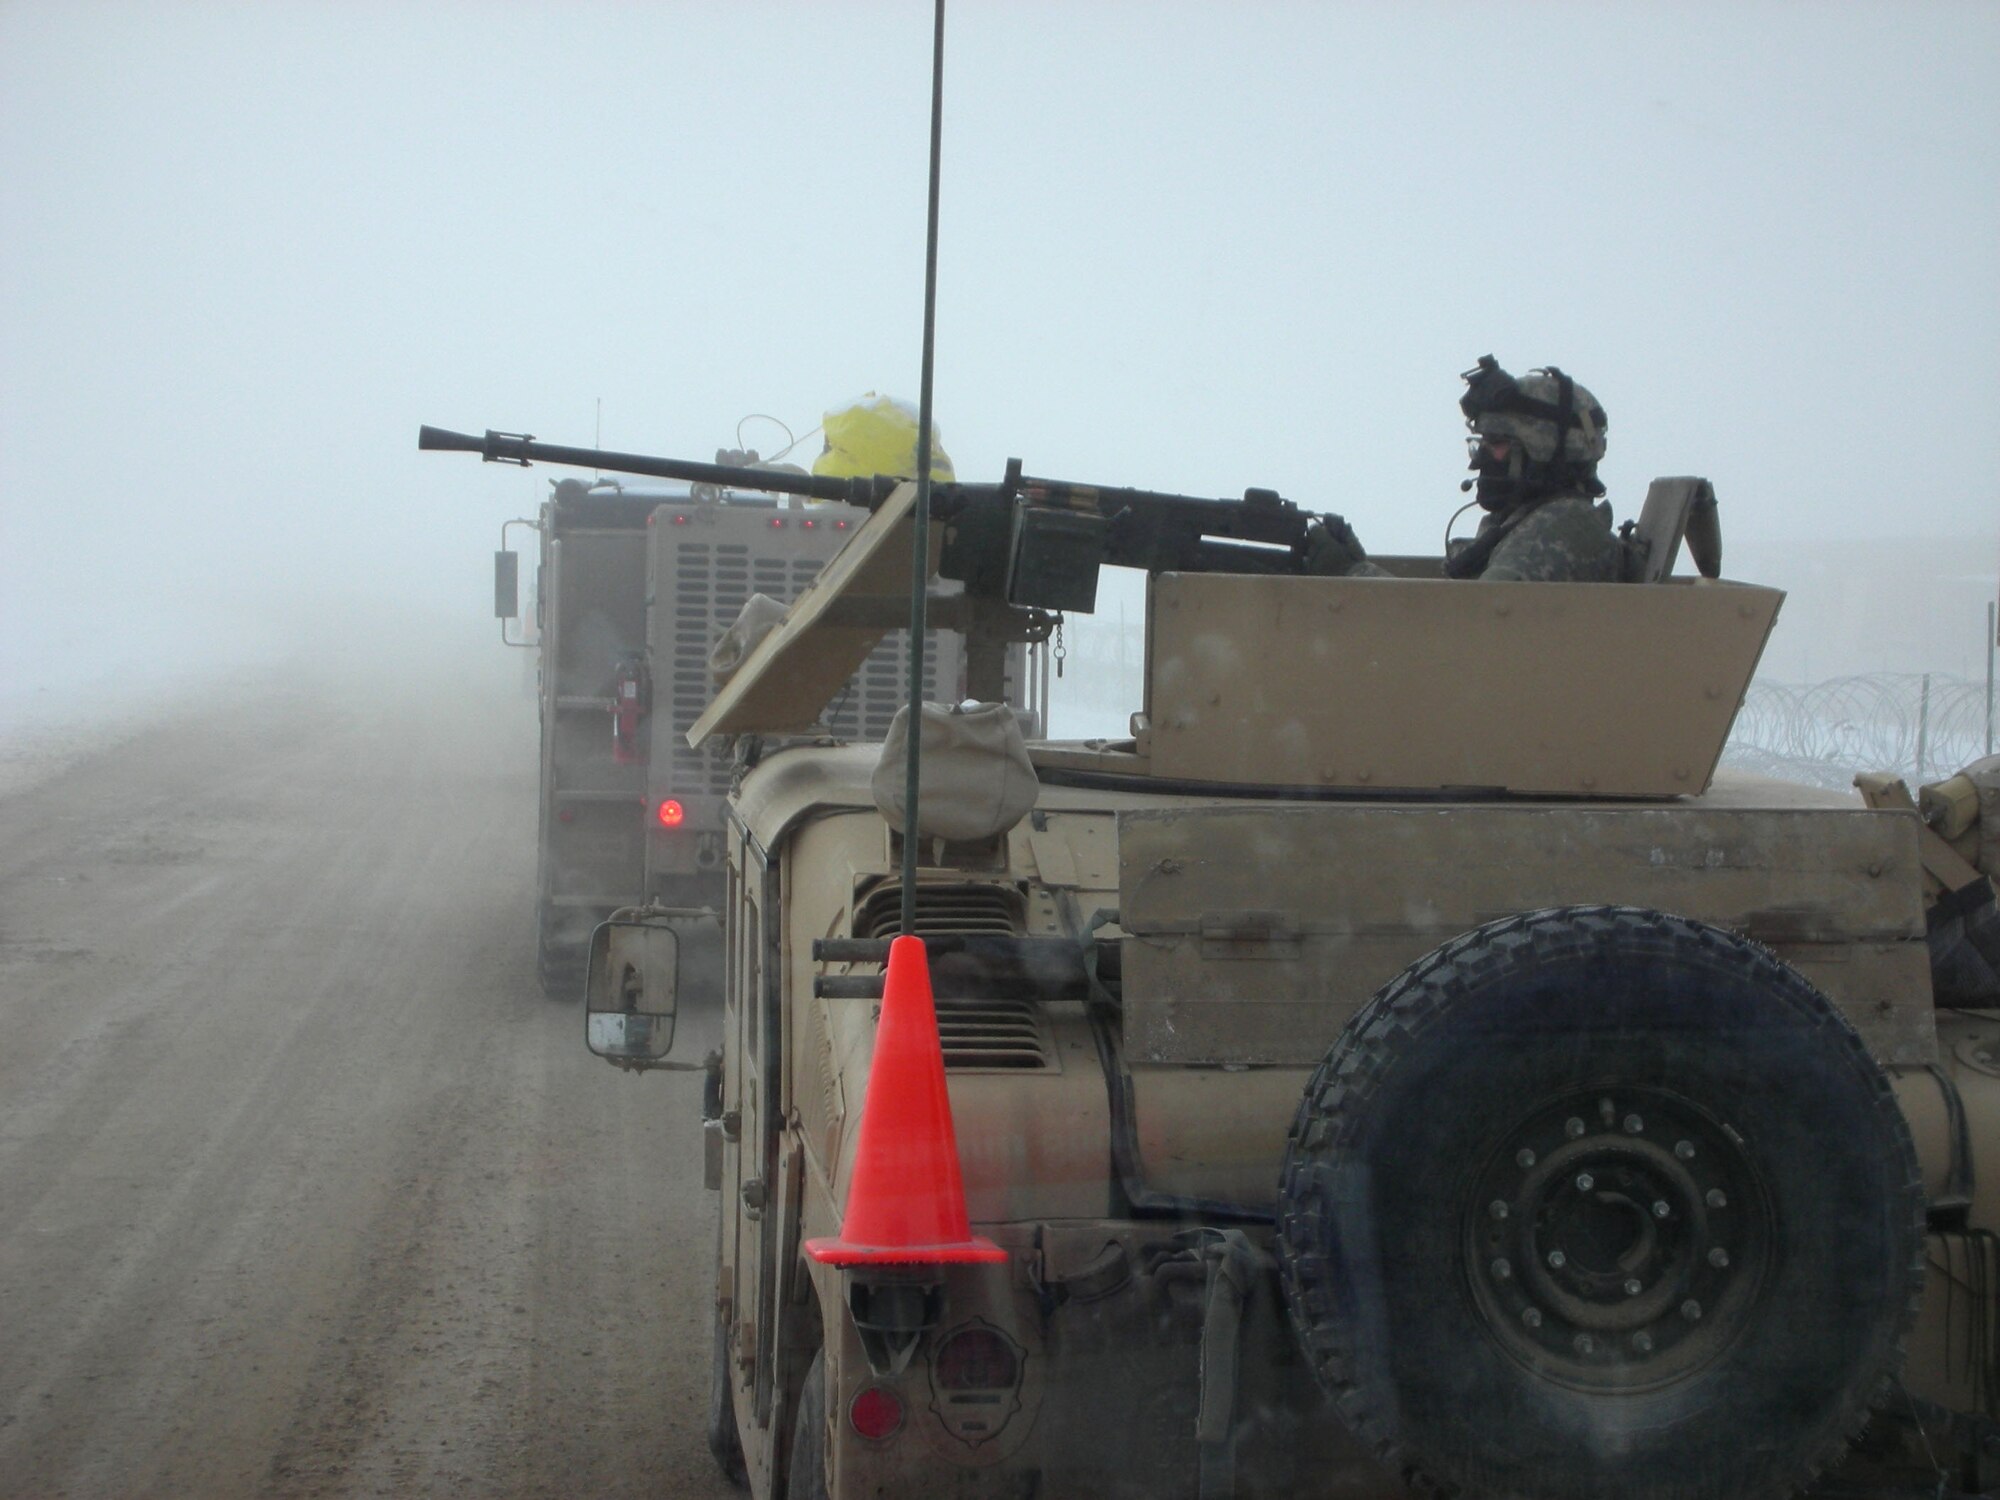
876, 1413
809, 524
776, 522
840, 526
671, 813
680, 520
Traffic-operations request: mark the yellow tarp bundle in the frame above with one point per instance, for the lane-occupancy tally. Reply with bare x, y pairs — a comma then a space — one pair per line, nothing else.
877, 435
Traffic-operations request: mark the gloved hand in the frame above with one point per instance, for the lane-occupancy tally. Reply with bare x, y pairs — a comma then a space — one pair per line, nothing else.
1332, 548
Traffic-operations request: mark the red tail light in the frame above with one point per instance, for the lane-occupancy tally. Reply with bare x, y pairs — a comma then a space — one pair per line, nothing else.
876, 1413
671, 813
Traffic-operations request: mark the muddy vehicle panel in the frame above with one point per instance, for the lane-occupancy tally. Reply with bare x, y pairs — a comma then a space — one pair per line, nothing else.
1496, 1122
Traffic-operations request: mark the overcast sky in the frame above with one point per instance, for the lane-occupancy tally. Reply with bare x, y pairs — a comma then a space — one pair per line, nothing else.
245, 249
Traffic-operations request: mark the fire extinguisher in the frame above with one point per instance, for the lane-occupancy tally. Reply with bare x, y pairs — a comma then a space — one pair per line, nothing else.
631, 701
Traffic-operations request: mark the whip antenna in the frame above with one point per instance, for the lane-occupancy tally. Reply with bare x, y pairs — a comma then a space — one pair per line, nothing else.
920, 548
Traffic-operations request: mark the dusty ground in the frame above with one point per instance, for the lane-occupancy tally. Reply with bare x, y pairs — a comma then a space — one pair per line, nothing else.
304, 1187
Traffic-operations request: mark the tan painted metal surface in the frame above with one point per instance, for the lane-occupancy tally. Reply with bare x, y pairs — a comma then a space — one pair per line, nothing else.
1611, 690
1257, 931
1214, 1132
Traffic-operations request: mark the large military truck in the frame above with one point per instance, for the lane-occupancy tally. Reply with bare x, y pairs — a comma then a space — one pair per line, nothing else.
1404, 1065
633, 583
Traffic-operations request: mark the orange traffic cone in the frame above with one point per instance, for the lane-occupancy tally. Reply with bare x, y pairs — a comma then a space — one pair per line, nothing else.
906, 1200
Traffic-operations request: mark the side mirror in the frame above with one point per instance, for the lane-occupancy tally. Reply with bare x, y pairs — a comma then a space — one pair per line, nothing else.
641, 963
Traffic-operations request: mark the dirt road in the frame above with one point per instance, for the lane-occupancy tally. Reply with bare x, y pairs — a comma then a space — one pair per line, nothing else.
304, 1188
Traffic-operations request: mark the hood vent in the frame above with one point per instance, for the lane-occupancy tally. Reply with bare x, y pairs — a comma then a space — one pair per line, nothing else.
941, 909
1007, 1035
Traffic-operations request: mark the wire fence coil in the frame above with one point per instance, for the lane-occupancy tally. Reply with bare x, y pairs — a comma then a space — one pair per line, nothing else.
1923, 726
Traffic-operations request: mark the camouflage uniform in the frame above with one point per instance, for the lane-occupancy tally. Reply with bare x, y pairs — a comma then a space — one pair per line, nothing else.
1564, 540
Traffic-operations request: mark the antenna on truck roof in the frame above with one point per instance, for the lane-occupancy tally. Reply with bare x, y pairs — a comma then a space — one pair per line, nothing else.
920, 519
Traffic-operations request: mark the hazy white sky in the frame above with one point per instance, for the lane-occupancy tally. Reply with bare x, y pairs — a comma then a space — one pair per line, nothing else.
245, 249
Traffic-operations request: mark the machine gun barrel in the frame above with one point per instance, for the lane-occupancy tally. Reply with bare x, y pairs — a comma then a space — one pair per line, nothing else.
520, 448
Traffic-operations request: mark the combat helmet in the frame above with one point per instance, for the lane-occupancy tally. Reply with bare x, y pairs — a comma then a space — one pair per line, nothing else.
1555, 427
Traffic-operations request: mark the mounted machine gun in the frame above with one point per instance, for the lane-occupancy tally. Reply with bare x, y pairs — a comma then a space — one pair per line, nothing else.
1025, 549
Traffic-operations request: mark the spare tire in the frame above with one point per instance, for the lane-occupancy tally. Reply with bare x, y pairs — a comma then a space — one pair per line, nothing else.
1599, 1201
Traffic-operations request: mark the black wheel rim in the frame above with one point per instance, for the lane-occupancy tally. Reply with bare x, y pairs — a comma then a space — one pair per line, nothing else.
1617, 1239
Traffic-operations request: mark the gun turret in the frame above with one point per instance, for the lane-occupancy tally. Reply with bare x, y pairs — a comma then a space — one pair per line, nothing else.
1034, 544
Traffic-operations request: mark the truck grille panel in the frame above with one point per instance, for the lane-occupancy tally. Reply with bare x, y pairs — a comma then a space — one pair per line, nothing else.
700, 586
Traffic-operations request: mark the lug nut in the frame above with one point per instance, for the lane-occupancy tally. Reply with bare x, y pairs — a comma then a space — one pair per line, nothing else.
1633, 1125
1633, 1286
1660, 1209
1585, 1182
1572, 1127
1532, 1316
1557, 1260
1684, 1150
1584, 1343
1497, 1208
1717, 1198
1718, 1257
1524, 1158
1606, 1111
1691, 1310
1501, 1269
1643, 1342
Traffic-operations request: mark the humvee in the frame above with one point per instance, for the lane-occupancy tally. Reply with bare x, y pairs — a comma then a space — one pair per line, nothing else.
1404, 1066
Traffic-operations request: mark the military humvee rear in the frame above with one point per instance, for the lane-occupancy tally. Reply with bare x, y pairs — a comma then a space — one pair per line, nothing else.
1404, 1066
